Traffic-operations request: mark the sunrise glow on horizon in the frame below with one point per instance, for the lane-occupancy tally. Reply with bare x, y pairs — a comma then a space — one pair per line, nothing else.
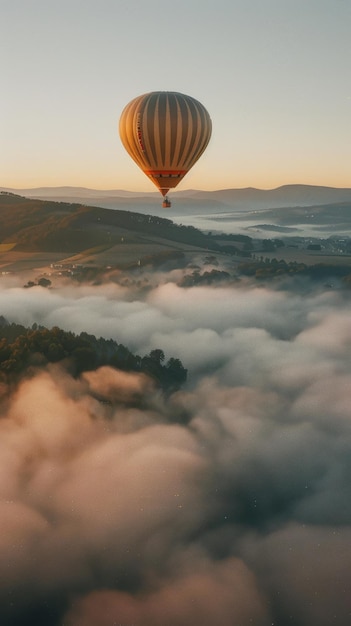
277, 95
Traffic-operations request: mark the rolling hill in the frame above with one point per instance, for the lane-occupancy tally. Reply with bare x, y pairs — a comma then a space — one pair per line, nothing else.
45, 225
38, 233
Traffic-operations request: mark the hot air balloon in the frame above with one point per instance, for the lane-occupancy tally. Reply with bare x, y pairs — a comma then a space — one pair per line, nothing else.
165, 132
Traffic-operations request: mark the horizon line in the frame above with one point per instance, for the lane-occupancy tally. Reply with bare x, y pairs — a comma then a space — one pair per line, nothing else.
174, 192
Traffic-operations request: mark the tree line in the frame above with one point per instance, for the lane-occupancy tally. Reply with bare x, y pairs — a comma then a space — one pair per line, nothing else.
271, 268
24, 349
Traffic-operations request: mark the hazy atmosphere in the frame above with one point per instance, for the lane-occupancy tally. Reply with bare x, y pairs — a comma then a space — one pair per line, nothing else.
274, 76
227, 504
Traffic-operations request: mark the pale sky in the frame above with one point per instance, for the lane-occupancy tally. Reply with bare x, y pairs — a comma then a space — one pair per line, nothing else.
274, 75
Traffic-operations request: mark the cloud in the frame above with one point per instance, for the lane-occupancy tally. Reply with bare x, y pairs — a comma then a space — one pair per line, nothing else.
117, 386
115, 510
308, 569
216, 593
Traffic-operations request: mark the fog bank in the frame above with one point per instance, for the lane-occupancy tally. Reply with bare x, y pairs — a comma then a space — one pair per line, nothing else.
228, 503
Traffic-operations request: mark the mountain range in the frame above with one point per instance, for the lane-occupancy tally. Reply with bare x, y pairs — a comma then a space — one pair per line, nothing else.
192, 200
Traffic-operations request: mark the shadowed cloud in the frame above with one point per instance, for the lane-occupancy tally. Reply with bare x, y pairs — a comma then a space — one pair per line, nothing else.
111, 512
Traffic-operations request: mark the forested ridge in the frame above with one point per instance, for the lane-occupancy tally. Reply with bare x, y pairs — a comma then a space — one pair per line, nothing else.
35, 225
23, 350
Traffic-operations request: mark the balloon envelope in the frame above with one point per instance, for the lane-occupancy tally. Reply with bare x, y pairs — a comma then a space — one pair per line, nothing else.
165, 132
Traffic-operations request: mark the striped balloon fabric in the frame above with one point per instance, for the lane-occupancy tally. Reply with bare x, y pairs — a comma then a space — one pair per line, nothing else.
165, 132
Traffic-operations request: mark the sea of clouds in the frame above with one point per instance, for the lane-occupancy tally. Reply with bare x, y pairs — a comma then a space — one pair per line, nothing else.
228, 503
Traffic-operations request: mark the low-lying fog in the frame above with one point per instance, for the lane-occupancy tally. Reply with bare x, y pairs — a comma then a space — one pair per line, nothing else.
236, 515
259, 226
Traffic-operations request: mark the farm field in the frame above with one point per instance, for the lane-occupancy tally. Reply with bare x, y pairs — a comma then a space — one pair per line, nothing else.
120, 256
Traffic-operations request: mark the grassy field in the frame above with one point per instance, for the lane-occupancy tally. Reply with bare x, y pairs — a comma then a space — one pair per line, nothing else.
121, 256
309, 257
6, 247
13, 261
126, 254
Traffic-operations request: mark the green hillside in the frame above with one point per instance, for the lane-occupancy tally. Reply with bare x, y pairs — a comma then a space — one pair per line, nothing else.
46, 226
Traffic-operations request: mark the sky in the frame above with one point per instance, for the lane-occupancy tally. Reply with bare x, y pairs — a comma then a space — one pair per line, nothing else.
273, 74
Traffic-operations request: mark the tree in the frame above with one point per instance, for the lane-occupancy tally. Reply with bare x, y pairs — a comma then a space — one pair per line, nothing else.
157, 355
176, 374
44, 282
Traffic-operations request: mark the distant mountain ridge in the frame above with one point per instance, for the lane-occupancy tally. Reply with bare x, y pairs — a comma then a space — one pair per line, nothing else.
197, 201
